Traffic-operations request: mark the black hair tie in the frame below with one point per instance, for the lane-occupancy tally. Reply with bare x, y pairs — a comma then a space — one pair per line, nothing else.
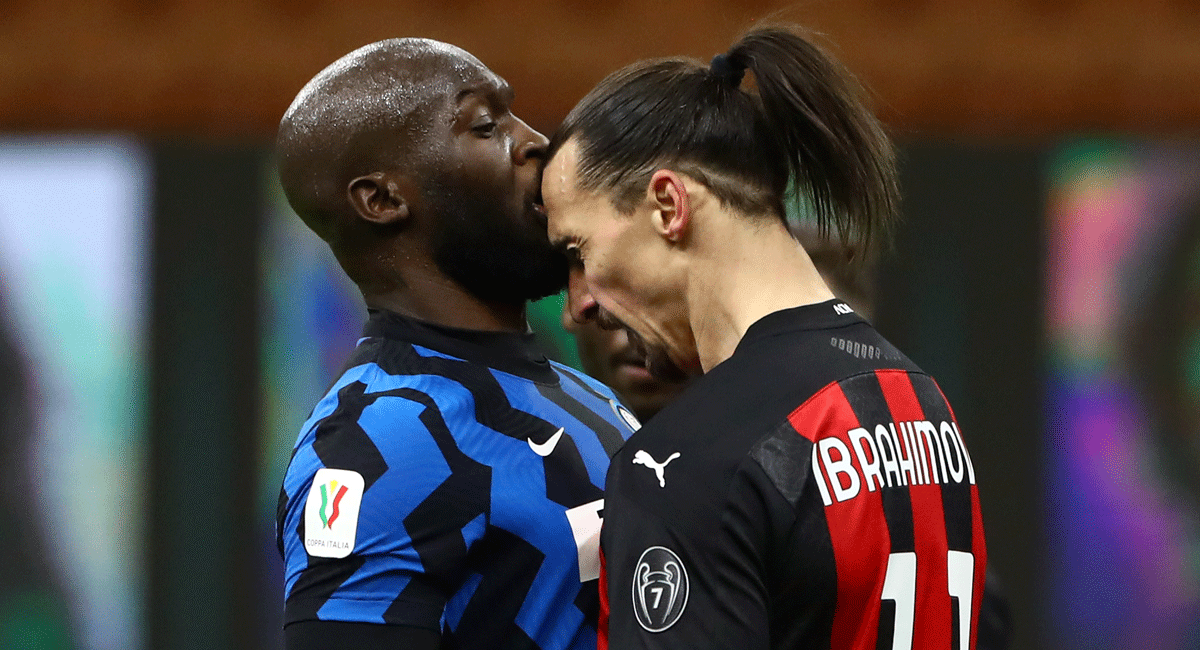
727, 70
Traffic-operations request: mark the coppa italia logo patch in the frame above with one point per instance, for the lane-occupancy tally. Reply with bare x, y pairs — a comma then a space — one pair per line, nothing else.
326, 490
331, 512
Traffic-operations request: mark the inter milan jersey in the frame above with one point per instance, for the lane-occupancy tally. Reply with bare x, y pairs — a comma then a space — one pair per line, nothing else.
812, 491
453, 481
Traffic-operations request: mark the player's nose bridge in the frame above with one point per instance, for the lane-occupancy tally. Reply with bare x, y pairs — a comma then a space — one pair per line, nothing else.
580, 302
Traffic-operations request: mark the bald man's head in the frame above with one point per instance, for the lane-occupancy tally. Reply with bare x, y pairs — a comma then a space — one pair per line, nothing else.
405, 155
370, 110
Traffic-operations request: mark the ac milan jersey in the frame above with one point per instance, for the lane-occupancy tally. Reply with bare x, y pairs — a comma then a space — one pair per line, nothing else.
812, 491
452, 480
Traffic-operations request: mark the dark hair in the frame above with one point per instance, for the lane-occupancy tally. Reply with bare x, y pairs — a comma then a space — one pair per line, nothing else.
806, 128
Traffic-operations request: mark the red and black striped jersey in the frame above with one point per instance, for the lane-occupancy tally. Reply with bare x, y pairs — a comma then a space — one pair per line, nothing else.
812, 491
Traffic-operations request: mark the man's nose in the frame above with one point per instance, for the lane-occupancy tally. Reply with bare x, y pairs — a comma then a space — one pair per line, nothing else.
580, 303
531, 144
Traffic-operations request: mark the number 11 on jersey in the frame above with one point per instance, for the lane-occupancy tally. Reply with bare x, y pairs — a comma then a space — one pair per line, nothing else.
900, 587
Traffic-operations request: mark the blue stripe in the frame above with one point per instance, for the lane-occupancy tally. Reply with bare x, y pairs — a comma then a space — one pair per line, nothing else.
458, 604
602, 408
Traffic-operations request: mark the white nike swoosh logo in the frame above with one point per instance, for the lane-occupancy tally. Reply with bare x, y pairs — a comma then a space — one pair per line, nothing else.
547, 447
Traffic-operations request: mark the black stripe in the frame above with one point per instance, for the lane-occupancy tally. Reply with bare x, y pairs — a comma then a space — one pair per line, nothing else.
887, 625
608, 435
341, 443
866, 399
280, 515
588, 602
281, 507
785, 457
584, 385
317, 583
956, 497
489, 619
567, 480
419, 604
435, 525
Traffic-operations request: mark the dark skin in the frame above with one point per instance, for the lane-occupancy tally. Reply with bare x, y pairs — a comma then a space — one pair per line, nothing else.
406, 158
383, 221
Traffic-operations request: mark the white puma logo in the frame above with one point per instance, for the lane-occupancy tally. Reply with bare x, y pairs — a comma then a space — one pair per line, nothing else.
643, 458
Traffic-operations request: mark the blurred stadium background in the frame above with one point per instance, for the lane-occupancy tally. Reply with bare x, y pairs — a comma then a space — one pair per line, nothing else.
166, 323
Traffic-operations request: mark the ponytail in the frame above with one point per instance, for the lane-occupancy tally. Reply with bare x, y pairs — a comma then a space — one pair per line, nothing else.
804, 130
835, 151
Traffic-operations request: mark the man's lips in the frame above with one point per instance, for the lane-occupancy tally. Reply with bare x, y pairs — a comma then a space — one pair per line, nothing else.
630, 356
535, 207
636, 372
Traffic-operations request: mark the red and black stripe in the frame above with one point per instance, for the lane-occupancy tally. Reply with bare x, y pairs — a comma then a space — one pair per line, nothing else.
926, 517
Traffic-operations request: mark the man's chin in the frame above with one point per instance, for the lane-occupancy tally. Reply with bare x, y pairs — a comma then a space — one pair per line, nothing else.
662, 368
658, 361
514, 276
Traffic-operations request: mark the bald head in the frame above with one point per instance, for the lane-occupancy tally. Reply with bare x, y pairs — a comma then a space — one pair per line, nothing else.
368, 111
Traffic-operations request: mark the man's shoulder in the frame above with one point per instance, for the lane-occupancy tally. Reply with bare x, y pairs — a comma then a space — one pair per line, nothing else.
377, 408
725, 413
391, 367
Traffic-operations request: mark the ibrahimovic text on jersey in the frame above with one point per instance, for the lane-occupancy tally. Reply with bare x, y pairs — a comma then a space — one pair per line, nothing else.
451, 480
812, 491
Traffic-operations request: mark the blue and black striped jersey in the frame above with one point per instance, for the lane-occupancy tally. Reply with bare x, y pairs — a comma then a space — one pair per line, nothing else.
452, 480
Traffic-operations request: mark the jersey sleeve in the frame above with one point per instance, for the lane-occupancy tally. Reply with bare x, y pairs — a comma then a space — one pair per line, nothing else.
381, 510
698, 581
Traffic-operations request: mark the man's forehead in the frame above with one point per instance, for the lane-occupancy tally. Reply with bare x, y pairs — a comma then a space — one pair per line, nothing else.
460, 69
448, 70
559, 190
470, 72
559, 175
445, 57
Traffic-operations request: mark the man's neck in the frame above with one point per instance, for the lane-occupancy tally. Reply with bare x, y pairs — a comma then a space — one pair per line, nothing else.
751, 271
433, 298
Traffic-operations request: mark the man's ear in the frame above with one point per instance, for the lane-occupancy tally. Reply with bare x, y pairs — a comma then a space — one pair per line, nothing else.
378, 199
672, 210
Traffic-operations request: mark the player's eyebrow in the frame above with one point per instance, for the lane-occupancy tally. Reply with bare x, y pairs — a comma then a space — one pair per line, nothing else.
504, 93
499, 95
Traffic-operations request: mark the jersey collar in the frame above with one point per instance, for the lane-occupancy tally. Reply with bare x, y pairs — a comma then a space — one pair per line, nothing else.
514, 353
818, 316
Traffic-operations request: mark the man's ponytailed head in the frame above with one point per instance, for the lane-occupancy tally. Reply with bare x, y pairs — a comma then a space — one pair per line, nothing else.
803, 124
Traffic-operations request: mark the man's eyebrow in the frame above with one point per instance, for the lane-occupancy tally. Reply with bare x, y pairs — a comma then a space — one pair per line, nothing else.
467, 92
497, 94
506, 93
